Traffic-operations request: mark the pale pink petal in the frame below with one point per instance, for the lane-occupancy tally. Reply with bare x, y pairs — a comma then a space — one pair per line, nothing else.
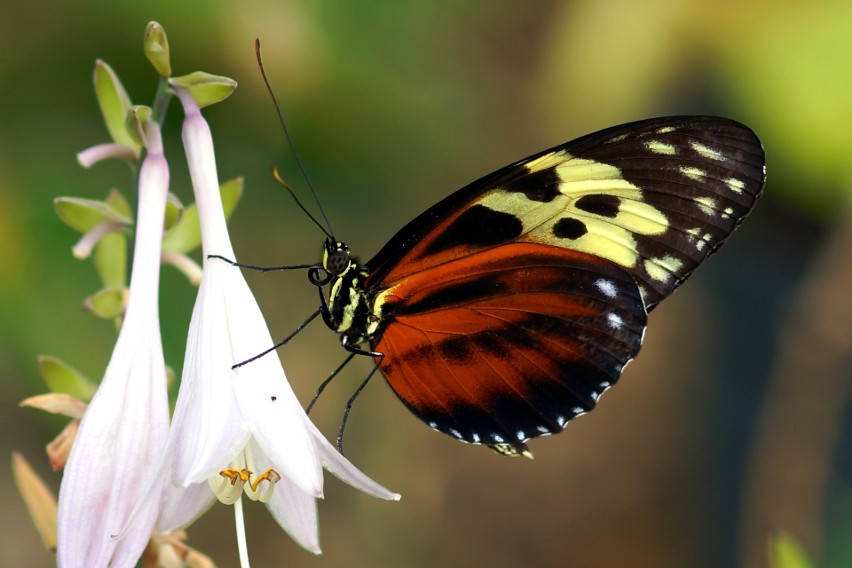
123, 432
342, 468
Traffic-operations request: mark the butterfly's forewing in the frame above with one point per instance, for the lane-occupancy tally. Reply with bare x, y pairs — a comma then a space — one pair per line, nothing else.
511, 342
656, 197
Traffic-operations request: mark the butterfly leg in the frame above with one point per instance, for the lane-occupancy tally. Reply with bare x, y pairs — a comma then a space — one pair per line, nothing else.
280, 343
356, 351
260, 268
328, 380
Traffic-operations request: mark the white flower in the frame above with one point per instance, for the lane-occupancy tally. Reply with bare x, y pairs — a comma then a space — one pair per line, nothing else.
240, 431
124, 429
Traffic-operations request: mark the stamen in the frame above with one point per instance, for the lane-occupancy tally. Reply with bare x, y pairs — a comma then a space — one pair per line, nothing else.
271, 477
229, 486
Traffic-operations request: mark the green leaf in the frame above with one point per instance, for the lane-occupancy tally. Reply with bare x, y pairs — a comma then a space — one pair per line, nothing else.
205, 88
786, 552
83, 214
185, 235
63, 378
156, 47
119, 203
107, 303
137, 116
110, 258
115, 105
231, 192
174, 210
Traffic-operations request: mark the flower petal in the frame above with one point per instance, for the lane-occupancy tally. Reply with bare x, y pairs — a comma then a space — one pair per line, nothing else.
179, 506
267, 401
124, 429
208, 428
118, 443
294, 510
342, 468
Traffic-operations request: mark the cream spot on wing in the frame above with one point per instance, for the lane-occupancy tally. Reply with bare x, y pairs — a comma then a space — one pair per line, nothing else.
609, 237
618, 138
606, 287
693, 173
661, 269
736, 185
707, 151
658, 147
696, 238
726, 214
707, 205
547, 161
614, 320
666, 130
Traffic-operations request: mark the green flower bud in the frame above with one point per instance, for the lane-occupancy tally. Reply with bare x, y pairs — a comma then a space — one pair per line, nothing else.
156, 47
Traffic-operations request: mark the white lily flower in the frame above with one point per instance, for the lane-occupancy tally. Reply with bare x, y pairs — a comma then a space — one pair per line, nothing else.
123, 432
240, 431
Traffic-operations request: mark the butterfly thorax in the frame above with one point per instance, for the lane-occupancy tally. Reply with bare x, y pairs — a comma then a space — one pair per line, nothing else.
350, 310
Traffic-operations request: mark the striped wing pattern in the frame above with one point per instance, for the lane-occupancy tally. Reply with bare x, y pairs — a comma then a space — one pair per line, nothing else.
510, 343
507, 308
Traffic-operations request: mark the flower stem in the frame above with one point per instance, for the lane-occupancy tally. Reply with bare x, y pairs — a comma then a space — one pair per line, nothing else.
161, 100
242, 545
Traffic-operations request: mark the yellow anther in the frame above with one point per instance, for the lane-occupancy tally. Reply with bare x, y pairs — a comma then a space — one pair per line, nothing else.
241, 475
269, 475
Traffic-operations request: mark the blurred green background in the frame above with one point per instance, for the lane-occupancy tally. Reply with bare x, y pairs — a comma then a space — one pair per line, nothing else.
733, 422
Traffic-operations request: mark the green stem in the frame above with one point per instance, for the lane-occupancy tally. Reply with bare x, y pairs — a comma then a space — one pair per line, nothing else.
161, 100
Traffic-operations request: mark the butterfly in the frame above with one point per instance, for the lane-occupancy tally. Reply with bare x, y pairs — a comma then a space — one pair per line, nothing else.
505, 310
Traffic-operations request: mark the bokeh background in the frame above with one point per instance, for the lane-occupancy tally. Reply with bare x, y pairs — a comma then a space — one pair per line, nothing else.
734, 421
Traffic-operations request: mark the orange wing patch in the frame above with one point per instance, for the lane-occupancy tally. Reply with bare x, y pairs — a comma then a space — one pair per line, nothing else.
510, 343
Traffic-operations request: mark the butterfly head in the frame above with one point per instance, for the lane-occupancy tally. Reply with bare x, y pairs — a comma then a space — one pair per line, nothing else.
336, 259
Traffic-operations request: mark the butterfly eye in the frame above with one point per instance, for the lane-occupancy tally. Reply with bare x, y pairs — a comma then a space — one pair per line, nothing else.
337, 262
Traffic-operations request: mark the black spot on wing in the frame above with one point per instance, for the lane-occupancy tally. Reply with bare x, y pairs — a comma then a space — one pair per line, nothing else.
455, 349
569, 228
598, 204
478, 226
542, 186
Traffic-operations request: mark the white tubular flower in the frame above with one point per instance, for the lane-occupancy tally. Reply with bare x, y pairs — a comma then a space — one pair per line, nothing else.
124, 429
241, 431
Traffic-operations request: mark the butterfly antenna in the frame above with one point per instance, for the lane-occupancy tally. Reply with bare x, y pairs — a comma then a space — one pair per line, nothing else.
330, 231
277, 177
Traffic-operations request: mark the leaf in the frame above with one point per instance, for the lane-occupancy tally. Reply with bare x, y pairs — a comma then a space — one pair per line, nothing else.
40, 501
205, 88
185, 235
107, 303
115, 105
111, 260
83, 214
61, 377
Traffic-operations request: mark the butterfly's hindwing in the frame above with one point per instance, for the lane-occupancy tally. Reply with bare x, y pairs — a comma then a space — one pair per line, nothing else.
511, 343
